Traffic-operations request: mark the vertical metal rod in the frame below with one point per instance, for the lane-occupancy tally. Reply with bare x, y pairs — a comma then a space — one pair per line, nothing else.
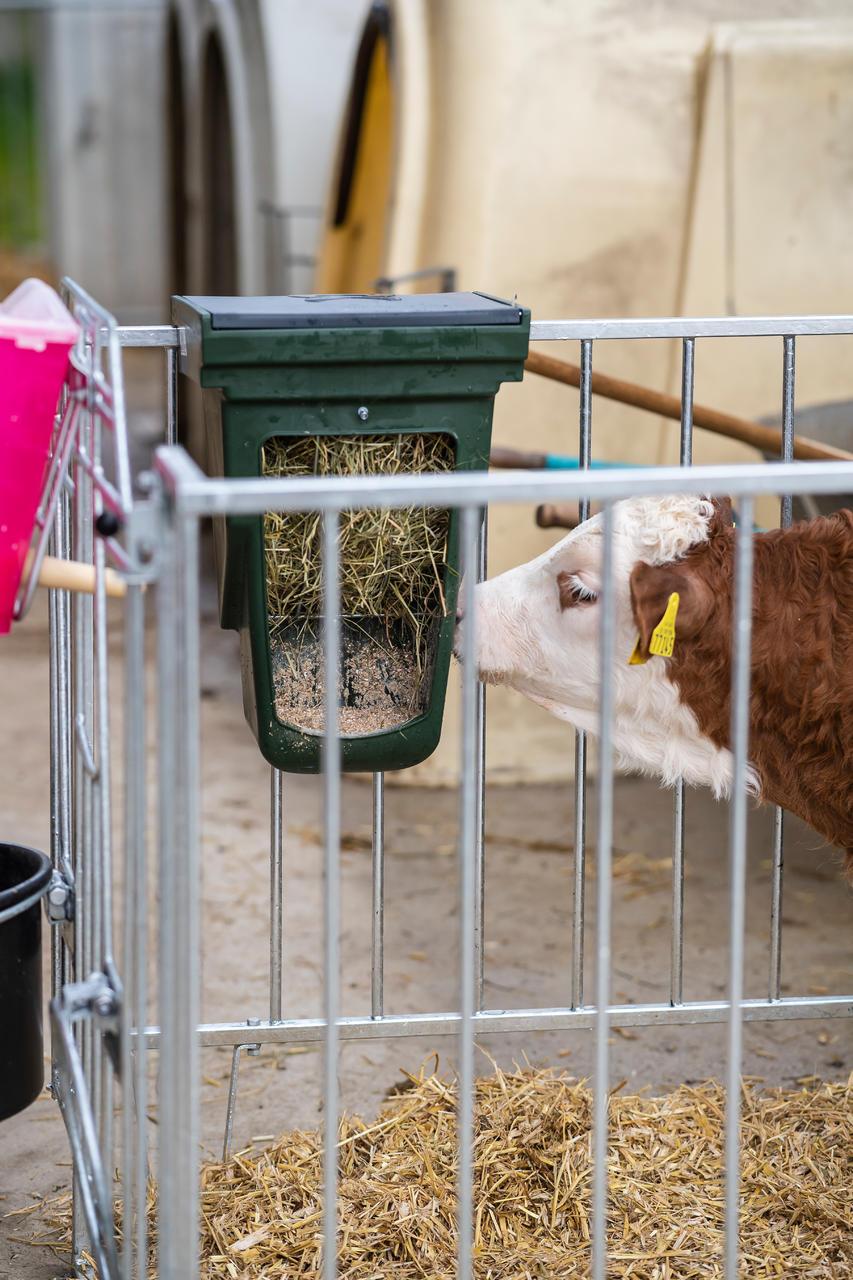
63, 702
786, 513
468, 818
578, 906
232, 1101
786, 504
480, 779
134, 1099
332, 807
775, 983
276, 891
603, 911
688, 351
179, 982
136, 922
579, 888
59, 741
742, 630
82, 711
106, 958
377, 940
585, 424
171, 395
676, 971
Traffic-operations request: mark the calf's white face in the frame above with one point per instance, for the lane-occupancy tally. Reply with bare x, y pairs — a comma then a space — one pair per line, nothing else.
537, 630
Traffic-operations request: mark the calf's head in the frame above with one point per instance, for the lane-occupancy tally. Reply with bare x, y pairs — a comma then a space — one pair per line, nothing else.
537, 630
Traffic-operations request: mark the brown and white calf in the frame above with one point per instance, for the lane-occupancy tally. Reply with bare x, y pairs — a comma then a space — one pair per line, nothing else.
537, 629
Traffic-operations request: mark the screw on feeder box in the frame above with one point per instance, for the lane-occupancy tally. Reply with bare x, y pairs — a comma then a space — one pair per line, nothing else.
287, 387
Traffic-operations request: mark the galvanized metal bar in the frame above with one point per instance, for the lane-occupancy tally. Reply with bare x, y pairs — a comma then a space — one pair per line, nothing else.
202, 496
480, 788
676, 969
580, 790
786, 506
377, 939
134, 1064
103, 868
774, 986
55, 661
149, 335
676, 961
786, 513
604, 867
468, 821
179, 984
688, 362
83, 712
93, 1192
276, 892
104, 763
332, 907
585, 423
60, 722
579, 870
232, 1101
690, 327
395, 1026
741, 639
121, 451
171, 395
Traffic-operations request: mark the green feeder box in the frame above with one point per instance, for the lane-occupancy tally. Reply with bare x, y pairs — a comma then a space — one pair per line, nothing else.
346, 384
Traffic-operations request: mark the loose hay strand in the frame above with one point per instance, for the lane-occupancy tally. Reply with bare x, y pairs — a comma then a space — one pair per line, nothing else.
262, 1210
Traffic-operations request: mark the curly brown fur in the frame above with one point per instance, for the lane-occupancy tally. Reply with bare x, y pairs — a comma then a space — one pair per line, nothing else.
801, 703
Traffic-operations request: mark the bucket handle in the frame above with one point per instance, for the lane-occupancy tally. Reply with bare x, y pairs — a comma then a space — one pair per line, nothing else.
18, 908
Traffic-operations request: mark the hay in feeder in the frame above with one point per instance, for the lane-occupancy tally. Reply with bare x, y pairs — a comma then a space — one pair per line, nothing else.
262, 1210
392, 571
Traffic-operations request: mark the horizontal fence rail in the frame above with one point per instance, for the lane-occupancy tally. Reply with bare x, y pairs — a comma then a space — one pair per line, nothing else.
199, 495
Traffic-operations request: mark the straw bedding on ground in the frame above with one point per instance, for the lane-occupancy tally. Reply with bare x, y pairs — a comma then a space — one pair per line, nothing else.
262, 1210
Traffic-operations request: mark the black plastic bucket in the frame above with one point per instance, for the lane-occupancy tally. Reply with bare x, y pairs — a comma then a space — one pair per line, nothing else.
24, 878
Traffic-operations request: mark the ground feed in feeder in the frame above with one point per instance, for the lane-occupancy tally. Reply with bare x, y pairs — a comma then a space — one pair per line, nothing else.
262, 1210
393, 569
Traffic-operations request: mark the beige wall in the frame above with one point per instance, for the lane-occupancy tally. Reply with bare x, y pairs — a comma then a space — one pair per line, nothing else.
616, 159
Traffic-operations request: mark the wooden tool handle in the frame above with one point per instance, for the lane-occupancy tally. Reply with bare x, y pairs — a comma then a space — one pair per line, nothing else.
515, 459
72, 575
560, 515
767, 439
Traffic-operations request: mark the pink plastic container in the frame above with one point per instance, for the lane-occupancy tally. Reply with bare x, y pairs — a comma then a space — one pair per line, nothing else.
37, 333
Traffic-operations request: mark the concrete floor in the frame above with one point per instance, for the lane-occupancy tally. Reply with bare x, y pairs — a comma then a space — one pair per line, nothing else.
528, 930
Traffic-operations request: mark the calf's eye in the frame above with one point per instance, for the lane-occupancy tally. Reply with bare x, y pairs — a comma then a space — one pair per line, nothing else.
574, 592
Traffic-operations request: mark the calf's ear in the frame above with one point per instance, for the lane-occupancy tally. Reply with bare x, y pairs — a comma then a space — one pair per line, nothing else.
723, 517
651, 588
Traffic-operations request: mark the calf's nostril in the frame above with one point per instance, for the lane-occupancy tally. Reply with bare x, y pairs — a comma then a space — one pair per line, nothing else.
460, 613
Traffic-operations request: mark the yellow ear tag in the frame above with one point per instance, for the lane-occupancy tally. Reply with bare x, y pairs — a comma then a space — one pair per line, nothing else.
663, 636
636, 659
